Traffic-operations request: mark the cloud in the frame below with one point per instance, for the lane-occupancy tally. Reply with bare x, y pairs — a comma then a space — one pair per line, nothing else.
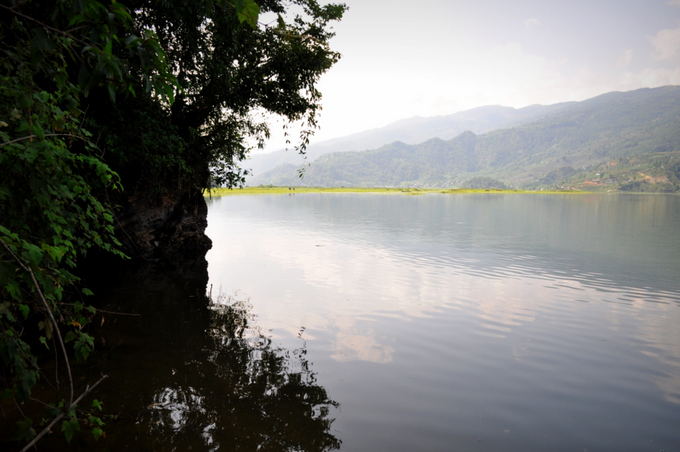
666, 43
535, 22
625, 58
650, 77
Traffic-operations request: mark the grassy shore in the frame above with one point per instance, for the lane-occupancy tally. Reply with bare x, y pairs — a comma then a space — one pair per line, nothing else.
217, 192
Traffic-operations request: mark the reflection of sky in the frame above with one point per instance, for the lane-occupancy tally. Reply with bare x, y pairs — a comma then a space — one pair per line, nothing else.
544, 284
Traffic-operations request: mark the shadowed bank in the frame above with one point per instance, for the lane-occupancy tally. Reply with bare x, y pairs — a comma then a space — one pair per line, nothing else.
188, 374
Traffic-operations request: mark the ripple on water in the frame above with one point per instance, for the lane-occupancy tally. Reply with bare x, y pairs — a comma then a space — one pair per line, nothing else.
489, 323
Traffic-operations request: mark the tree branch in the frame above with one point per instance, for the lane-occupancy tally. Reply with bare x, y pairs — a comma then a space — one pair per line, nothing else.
28, 137
104, 311
61, 415
44, 25
51, 316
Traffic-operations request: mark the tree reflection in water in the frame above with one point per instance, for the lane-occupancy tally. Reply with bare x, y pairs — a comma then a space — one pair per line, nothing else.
244, 394
189, 375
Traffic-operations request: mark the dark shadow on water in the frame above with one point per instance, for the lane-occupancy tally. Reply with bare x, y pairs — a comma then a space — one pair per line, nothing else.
186, 374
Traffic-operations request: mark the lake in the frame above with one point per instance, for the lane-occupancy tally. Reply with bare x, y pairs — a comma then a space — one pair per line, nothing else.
362, 322
465, 322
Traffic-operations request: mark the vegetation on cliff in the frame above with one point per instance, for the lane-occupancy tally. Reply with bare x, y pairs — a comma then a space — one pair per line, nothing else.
107, 109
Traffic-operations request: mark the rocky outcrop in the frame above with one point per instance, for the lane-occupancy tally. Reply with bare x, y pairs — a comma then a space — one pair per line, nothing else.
167, 227
164, 236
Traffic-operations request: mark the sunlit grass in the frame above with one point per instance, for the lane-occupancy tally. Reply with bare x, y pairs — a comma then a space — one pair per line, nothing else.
216, 192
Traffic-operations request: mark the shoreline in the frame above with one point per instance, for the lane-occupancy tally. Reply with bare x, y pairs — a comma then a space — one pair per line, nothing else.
219, 192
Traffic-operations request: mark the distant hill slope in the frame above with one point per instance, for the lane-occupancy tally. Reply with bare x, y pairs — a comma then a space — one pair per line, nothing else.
628, 140
412, 131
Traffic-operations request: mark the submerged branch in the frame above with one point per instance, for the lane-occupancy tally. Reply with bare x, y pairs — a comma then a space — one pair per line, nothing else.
104, 311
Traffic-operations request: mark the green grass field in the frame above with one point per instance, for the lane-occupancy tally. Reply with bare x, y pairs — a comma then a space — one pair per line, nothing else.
217, 192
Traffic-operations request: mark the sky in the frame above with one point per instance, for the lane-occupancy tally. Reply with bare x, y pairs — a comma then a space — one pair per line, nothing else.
432, 57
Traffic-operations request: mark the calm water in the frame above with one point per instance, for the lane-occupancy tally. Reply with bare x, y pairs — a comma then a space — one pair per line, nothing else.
463, 322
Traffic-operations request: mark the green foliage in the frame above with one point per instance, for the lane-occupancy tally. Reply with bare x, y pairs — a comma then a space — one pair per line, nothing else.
247, 11
96, 404
55, 184
96, 96
484, 183
229, 69
654, 172
70, 427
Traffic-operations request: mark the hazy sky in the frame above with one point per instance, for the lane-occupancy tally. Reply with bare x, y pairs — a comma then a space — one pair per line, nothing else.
430, 57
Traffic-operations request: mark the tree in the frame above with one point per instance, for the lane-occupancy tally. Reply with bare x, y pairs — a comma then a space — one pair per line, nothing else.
103, 105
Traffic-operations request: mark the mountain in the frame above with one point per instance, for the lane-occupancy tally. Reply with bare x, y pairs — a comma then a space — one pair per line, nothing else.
619, 140
412, 131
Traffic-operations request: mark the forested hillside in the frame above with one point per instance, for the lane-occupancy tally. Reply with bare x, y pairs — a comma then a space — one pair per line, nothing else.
411, 131
627, 141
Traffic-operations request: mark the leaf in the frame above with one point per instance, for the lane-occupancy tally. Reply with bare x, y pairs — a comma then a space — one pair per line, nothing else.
75, 19
108, 48
32, 253
112, 92
49, 329
24, 310
97, 433
13, 290
97, 404
83, 346
8, 314
25, 430
131, 40
56, 252
247, 11
95, 421
70, 336
69, 428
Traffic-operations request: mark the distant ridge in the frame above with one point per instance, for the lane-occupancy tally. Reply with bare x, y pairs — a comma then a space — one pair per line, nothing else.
412, 131
618, 140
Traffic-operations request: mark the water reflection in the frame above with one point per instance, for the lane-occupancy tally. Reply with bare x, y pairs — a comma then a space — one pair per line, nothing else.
472, 323
184, 376
239, 391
